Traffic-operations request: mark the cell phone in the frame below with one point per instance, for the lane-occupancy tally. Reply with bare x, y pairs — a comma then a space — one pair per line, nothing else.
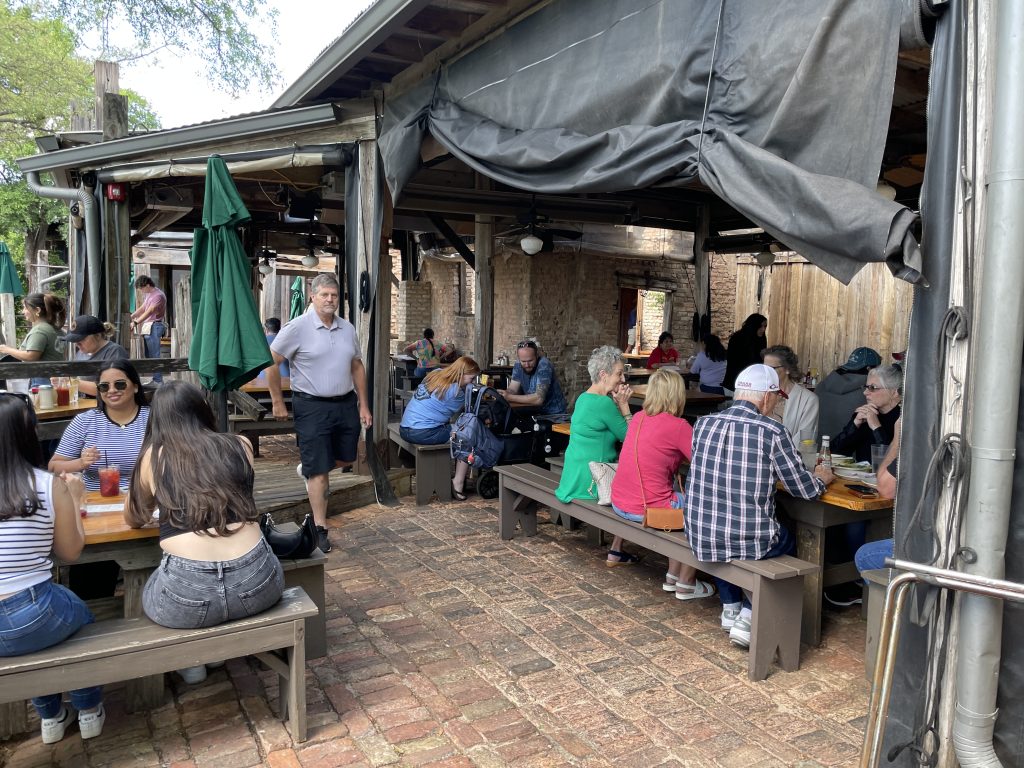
862, 491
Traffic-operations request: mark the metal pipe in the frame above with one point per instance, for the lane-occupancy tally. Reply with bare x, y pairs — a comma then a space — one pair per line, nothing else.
999, 336
53, 278
91, 215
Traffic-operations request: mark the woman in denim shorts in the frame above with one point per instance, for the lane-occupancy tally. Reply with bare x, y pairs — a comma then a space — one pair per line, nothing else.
39, 513
216, 565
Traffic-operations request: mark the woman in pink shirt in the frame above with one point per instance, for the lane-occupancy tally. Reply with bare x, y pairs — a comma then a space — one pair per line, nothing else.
657, 442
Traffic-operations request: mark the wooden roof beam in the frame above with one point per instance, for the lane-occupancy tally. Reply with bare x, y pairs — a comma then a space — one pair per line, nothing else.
477, 7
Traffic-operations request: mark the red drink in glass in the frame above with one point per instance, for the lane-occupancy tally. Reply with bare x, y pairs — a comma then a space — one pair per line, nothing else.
110, 479
63, 396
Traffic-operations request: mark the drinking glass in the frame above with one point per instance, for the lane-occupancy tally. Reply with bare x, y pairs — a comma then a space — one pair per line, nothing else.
877, 456
110, 480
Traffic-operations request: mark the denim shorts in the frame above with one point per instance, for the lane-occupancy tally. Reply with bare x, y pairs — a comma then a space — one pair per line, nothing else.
188, 594
438, 435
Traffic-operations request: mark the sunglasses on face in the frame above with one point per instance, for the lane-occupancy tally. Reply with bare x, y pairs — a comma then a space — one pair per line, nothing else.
526, 345
873, 388
104, 386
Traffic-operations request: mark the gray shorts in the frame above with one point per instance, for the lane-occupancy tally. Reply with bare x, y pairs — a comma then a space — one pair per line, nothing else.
187, 594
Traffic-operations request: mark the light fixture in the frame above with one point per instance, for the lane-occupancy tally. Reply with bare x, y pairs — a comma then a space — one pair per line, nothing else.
265, 266
765, 258
886, 190
310, 260
531, 244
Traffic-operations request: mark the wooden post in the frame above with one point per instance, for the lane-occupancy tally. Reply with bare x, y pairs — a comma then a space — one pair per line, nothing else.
116, 219
701, 264
483, 309
8, 319
181, 334
105, 80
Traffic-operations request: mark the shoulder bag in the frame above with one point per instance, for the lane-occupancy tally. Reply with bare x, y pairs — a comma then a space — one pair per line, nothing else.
290, 545
602, 473
660, 518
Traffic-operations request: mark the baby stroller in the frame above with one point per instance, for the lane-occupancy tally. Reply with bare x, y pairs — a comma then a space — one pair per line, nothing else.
488, 434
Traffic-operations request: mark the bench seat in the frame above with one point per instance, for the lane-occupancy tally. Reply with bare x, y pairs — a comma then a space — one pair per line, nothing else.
121, 649
775, 584
433, 467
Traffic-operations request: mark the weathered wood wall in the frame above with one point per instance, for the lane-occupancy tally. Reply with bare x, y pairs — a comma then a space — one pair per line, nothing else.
819, 317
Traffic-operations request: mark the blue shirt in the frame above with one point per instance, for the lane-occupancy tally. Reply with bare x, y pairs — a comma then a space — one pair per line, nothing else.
738, 456
428, 411
282, 368
118, 445
543, 377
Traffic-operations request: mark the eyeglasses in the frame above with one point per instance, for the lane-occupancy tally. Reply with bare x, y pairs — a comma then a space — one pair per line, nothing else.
527, 345
873, 388
20, 395
104, 386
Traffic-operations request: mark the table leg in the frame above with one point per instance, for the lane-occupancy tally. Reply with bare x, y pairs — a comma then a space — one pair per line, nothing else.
810, 546
145, 692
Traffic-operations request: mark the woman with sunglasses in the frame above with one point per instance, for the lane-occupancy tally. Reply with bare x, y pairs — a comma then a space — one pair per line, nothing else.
216, 565
39, 514
873, 423
111, 434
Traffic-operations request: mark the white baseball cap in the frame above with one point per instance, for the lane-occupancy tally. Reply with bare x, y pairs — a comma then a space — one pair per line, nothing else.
759, 378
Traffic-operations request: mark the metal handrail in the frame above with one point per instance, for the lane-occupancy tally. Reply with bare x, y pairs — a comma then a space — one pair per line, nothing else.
889, 634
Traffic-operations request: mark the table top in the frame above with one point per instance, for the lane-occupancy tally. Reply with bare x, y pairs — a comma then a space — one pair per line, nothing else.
561, 428
260, 386
636, 356
105, 527
65, 411
692, 396
638, 373
839, 495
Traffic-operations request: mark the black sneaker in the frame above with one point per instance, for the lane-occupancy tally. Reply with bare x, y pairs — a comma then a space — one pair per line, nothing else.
322, 541
844, 595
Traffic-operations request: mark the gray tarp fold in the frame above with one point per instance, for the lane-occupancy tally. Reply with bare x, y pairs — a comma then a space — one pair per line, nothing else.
778, 107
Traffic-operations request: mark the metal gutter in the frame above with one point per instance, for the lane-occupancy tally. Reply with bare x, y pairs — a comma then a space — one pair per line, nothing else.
370, 29
262, 123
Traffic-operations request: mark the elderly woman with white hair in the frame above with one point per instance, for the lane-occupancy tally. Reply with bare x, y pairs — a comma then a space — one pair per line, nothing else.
599, 423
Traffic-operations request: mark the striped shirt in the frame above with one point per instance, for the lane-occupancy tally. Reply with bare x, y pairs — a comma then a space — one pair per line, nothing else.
118, 445
738, 456
25, 542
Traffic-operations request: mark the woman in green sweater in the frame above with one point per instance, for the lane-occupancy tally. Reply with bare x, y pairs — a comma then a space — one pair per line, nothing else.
598, 426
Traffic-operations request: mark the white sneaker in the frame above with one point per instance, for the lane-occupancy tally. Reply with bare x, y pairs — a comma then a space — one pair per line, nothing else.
193, 675
740, 632
305, 480
730, 611
53, 727
90, 724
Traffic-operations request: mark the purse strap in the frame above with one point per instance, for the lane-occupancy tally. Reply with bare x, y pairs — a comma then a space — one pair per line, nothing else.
636, 457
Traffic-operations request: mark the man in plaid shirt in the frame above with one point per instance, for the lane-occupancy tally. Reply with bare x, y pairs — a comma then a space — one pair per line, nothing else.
739, 454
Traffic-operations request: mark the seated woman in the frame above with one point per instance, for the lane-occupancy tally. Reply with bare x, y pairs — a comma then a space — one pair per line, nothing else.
92, 337
216, 565
647, 468
874, 422
664, 353
110, 434
427, 418
39, 513
426, 354
799, 412
710, 364
598, 425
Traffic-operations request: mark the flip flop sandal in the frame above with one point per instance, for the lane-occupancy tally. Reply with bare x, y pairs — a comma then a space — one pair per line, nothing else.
624, 559
695, 592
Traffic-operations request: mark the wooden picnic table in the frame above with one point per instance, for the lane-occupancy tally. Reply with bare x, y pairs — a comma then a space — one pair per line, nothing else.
59, 412
696, 401
259, 386
811, 520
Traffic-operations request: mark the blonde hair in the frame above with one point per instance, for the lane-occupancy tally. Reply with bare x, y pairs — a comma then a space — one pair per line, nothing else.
666, 393
440, 380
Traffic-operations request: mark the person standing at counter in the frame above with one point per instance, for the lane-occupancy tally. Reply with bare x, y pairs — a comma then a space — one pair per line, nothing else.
149, 318
92, 337
46, 314
427, 358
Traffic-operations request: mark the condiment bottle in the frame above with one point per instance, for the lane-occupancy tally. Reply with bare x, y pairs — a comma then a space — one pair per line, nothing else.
825, 456
46, 396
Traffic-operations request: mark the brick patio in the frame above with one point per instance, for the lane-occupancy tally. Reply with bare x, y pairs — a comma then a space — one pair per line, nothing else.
449, 647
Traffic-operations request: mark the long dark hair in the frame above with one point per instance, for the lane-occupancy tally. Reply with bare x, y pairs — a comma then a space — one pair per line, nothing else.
133, 376
19, 455
713, 348
428, 334
51, 308
751, 324
202, 478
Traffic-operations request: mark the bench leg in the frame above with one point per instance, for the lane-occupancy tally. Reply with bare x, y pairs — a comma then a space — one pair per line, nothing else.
145, 692
515, 510
292, 691
433, 476
312, 582
13, 719
775, 626
810, 546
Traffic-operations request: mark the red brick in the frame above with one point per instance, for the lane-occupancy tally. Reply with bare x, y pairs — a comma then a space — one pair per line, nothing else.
463, 734
411, 731
283, 758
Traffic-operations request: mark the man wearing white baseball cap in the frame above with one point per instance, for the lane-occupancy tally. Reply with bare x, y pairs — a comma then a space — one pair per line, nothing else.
739, 455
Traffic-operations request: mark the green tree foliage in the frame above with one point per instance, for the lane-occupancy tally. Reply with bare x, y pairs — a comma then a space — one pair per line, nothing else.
218, 32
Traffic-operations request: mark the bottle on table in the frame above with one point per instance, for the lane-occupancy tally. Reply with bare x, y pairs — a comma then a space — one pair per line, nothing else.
825, 455
63, 391
73, 387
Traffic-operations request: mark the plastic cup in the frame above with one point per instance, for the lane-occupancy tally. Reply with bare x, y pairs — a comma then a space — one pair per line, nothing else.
63, 392
110, 480
878, 456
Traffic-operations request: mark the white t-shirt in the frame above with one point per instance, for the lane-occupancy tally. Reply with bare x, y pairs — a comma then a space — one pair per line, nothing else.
25, 542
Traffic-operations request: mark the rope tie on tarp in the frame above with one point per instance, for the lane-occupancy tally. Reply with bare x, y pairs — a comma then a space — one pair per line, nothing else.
707, 90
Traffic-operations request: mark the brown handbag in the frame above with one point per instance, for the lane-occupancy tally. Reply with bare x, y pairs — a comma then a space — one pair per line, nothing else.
659, 518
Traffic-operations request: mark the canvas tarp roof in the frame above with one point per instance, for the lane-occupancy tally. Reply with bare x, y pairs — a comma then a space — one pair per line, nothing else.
779, 108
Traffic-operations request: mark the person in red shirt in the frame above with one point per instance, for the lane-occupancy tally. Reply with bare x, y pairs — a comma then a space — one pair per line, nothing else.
664, 353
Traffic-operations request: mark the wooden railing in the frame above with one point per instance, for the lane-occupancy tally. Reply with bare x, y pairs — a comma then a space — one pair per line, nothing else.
145, 367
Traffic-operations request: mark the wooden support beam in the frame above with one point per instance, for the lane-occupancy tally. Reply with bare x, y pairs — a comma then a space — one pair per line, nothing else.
483, 300
453, 238
8, 319
701, 262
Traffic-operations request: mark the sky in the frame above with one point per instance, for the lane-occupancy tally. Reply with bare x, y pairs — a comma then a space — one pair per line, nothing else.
180, 95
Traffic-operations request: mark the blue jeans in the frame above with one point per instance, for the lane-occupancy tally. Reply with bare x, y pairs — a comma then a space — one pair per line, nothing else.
37, 618
188, 594
677, 503
730, 593
871, 556
152, 342
438, 435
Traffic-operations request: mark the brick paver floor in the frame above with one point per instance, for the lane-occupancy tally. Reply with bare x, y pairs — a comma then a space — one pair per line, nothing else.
449, 647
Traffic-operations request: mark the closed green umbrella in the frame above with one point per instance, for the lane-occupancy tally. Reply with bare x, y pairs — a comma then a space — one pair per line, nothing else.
298, 303
228, 344
9, 282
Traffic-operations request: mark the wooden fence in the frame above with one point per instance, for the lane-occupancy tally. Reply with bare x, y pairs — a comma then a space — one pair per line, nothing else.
819, 317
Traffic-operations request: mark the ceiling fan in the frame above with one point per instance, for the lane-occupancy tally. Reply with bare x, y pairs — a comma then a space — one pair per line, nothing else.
536, 235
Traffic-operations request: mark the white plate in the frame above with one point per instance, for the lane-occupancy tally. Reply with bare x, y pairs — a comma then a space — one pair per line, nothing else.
868, 478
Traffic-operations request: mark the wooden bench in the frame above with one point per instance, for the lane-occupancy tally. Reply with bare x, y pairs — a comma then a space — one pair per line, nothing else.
433, 467
251, 420
775, 584
120, 649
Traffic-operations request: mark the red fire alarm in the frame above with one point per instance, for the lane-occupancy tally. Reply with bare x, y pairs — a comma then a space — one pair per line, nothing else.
116, 192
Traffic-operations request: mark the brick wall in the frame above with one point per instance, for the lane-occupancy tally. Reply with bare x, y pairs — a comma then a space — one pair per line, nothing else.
413, 311
723, 296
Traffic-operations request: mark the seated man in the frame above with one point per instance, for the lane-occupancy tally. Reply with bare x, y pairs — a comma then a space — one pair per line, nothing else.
534, 383
739, 454
842, 391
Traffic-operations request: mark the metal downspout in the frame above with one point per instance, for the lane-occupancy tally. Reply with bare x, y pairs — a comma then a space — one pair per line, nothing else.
999, 338
91, 215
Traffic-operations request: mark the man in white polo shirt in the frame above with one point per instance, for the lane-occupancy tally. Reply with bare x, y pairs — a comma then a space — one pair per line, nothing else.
328, 392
